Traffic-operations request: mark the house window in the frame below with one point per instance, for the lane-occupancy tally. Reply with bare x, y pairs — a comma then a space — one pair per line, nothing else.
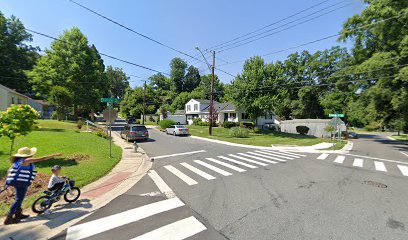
188, 108
233, 115
195, 107
19, 101
225, 116
12, 100
245, 116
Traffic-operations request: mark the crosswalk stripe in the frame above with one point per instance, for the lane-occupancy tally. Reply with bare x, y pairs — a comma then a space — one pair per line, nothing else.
197, 171
285, 153
181, 175
214, 168
403, 169
237, 162
226, 165
276, 154
258, 158
104, 224
179, 230
323, 156
163, 187
266, 156
248, 160
379, 166
358, 162
339, 159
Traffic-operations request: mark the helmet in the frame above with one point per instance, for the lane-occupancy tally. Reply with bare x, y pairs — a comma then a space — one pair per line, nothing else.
55, 168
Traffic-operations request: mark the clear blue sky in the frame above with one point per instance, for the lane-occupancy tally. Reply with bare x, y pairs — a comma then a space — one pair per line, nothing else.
182, 25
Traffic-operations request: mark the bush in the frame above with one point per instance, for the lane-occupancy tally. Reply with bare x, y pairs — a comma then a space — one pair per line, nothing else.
239, 132
54, 115
257, 130
201, 123
100, 133
80, 123
303, 130
166, 123
373, 127
197, 121
229, 124
249, 125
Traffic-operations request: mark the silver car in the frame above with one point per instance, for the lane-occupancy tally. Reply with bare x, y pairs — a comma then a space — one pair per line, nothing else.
177, 130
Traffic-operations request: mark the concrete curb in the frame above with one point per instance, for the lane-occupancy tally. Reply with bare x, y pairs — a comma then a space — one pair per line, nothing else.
46, 226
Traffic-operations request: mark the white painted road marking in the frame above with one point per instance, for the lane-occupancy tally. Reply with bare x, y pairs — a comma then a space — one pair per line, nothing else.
198, 171
406, 154
248, 160
358, 162
181, 175
226, 165
374, 158
179, 230
238, 162
379, 166
339, 159
163, 187
266, 156
275, 154
100, 225
323, 156
215, 169
403, 169
178, 154
293, 154
258, 158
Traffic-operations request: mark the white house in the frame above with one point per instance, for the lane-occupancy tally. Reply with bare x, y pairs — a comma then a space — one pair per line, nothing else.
199, 108
9, 97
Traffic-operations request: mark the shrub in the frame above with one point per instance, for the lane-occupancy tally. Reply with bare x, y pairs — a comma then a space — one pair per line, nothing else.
201, 123
54, 115
249, 125
197, 121
239, 132
100, 133
303, 130
257, 130
166, 123
80, 123
373, 126
229, 124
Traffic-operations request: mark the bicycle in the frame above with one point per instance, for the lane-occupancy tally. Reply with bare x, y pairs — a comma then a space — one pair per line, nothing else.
43, 203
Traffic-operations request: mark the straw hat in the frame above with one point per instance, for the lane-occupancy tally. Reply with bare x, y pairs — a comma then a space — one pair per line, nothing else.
25, 152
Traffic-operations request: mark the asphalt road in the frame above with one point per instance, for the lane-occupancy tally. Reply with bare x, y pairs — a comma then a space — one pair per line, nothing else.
355, 196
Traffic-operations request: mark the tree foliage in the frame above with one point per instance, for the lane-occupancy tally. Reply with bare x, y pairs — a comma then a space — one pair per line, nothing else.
61, 98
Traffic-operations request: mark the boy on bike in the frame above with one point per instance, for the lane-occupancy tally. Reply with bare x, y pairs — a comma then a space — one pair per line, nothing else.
56, 182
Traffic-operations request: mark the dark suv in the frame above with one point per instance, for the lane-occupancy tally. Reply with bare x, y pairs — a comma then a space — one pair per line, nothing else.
132, 132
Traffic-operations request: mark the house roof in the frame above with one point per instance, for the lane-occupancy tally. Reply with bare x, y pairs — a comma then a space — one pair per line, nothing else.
11, 90
42, 102
179, 112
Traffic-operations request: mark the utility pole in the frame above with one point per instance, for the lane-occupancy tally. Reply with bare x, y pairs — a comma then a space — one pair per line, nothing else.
144, 103
211, 67
211, 95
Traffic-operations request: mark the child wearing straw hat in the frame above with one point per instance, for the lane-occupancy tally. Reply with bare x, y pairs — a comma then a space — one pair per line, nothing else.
20, 176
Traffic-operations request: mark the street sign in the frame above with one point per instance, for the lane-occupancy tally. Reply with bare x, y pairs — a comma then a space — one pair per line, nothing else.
110, 115
336, 115
110, 100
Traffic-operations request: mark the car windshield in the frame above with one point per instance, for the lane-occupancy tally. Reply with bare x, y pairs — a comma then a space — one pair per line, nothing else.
138, 128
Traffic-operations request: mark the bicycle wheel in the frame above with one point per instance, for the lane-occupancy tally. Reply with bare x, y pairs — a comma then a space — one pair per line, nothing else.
41, 204
72, 195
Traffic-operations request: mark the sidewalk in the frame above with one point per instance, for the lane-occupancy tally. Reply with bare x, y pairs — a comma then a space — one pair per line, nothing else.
130, 169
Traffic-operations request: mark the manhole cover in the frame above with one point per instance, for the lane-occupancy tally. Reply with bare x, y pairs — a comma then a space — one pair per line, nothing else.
375, 184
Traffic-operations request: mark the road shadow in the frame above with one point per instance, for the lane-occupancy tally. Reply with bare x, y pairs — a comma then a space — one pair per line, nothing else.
396, 144
50, 130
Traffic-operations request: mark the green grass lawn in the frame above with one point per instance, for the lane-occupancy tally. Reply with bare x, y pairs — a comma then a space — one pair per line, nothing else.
85, 159
401, 137
265, 139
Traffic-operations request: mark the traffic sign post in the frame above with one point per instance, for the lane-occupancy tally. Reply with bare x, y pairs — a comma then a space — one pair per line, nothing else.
337, 116
110, 116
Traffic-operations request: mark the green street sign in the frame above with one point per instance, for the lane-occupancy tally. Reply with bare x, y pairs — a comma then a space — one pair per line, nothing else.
110, 100
109, 104
336, 115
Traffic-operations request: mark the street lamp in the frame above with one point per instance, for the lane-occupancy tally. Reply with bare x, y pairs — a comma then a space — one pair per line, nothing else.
211, 67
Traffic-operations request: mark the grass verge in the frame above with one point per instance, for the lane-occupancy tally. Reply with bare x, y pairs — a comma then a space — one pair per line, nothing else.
266, 138
401, 137
85, 159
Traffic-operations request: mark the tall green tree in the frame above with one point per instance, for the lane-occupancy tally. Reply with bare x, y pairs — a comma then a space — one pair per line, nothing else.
177, 74
192, 79
118, 82
61, 98
16, 55
73, 63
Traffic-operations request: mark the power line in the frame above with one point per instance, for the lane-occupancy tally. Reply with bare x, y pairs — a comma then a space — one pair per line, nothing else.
271, 24
315, 41
143, 35
233, 45
103, 54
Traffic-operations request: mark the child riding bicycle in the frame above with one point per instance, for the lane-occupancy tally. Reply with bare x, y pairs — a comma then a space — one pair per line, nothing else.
57, 184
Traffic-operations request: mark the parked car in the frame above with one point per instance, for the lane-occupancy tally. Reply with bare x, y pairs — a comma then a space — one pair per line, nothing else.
132, 132
177, 130
353, 135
